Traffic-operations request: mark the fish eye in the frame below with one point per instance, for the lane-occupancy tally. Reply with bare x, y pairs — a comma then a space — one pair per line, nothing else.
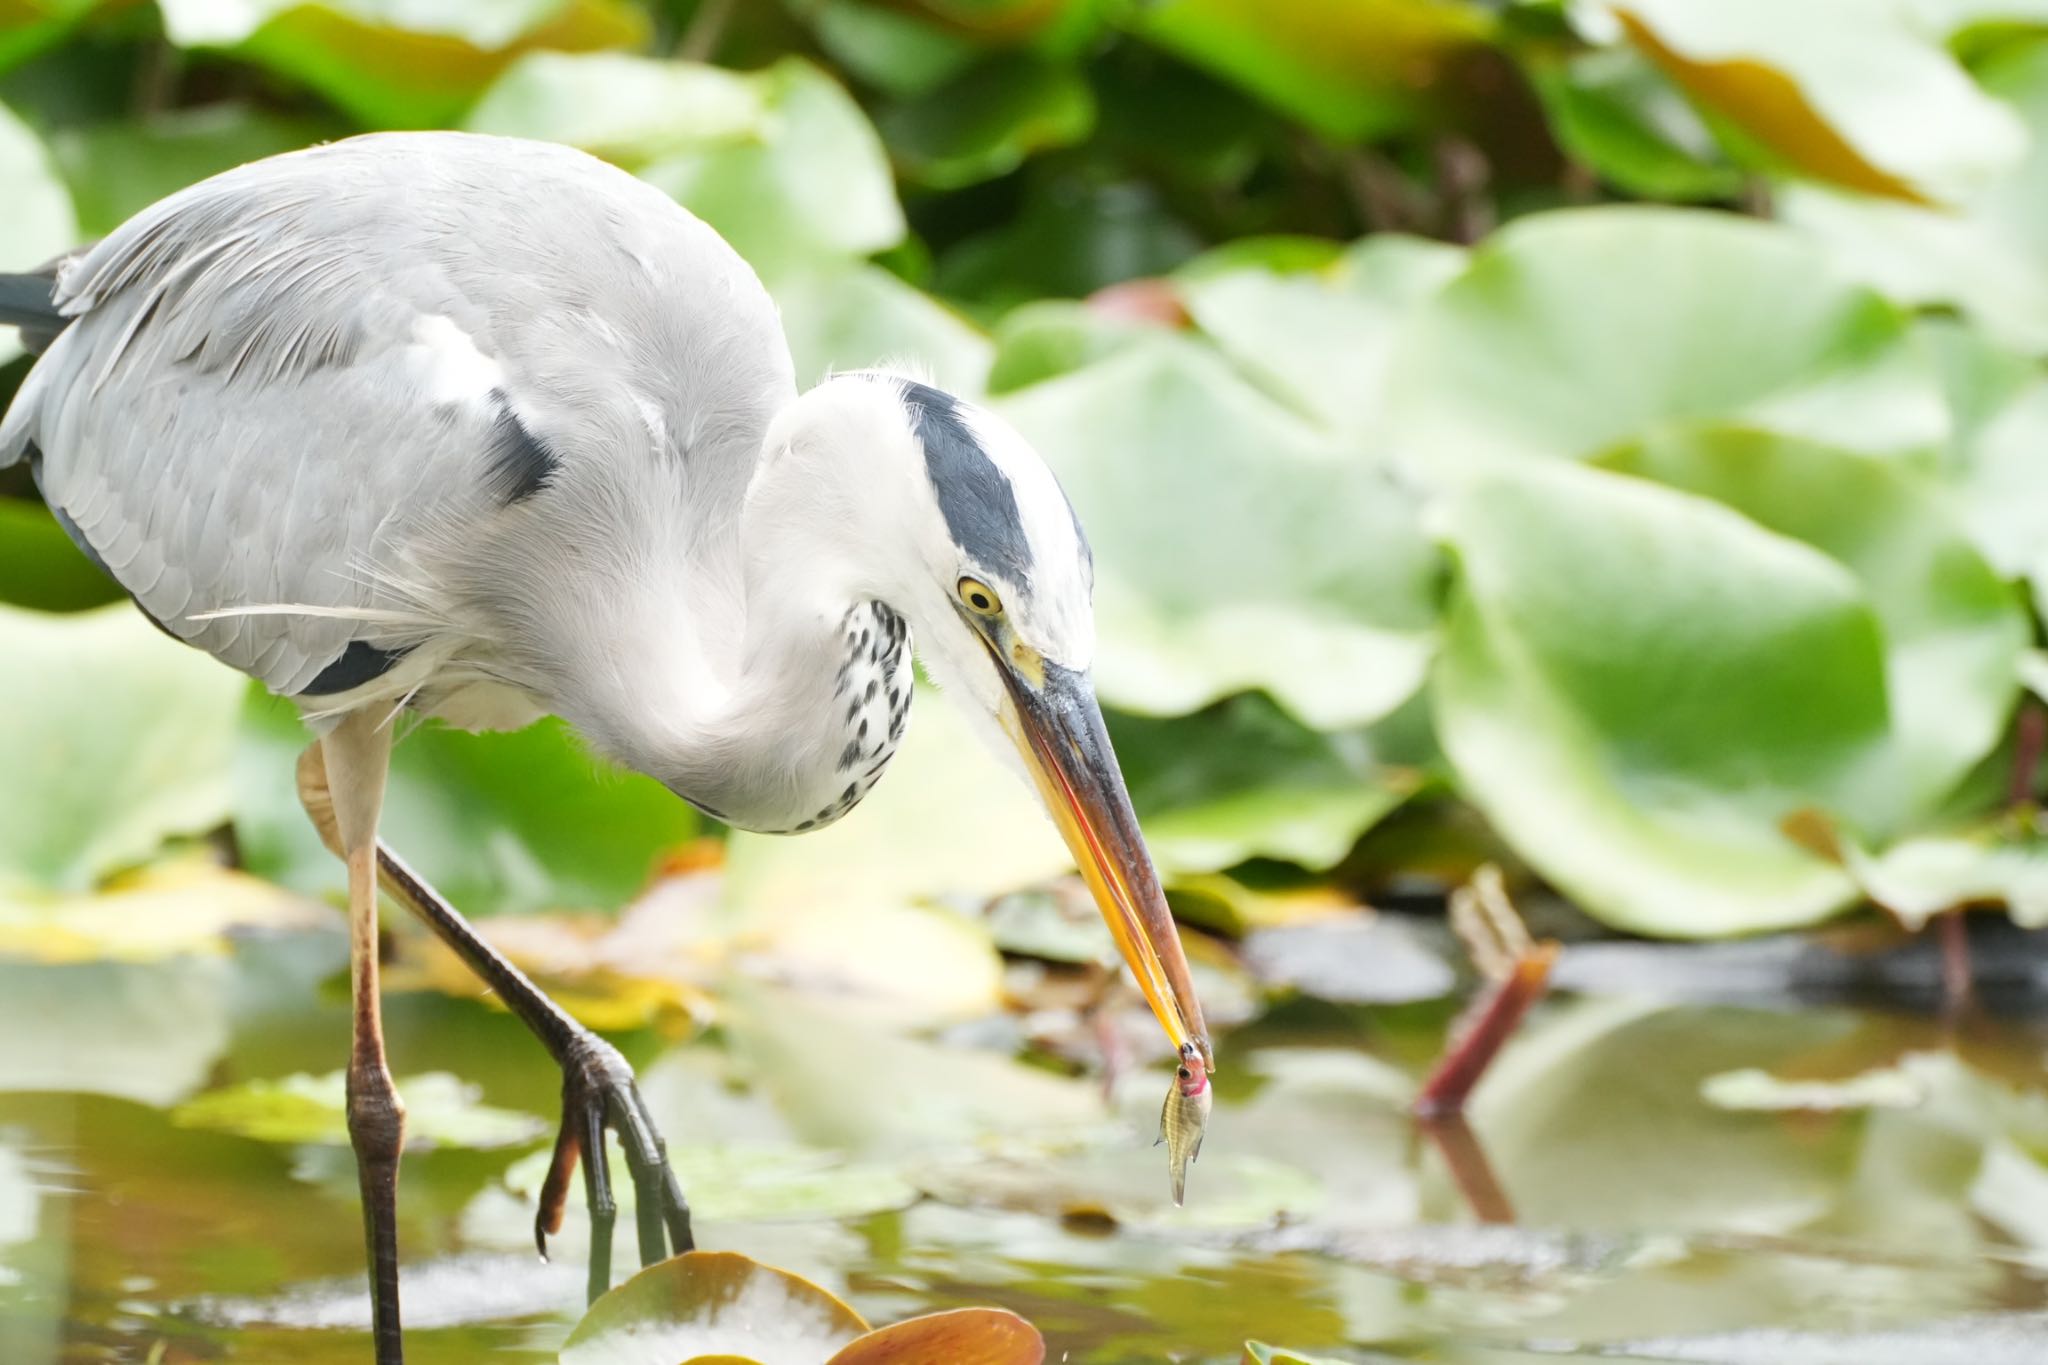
1185, 1074
980, 598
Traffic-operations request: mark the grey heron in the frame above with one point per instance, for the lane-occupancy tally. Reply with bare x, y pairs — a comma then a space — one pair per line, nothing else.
486, 429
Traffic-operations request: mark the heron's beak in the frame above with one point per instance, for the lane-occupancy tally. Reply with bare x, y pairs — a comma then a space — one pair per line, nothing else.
1058, 728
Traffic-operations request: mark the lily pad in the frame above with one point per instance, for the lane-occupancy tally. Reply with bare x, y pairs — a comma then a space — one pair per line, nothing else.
1640, 686
398, 63
1754, 1089
848, 317
712, 1303
1987, 254
117, 169
440, 1111
1574, 332
1322, 340
781, 161
947, 817
1314, 581
43, 568
1954, 631
986, 121
1637, 685
1824, 90
747, 1184
1243, 779
1923, 876
1612, 110
522, 821
132, 742
1351, 72
964, 1336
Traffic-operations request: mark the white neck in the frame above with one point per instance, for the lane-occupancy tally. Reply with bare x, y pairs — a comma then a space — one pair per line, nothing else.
765, 675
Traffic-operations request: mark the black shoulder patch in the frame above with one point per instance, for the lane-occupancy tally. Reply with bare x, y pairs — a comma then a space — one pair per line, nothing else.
521, 463
353, 667
975, 497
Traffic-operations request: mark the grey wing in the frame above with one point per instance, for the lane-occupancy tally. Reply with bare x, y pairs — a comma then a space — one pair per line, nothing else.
289, 395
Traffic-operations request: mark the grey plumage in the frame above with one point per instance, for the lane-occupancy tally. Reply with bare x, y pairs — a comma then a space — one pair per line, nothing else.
321, 298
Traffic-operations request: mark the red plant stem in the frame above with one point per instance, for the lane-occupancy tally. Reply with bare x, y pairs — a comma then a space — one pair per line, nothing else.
1958, 981
1492, 1021
1470, 1171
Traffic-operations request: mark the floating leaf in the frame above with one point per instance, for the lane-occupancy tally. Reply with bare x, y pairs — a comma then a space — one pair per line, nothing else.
398, 63
440, 1111
623, 108
1352, 72
1612, 111
43, 568
1322, 340
521, 821
781, 161
1754, 1089
850, 317
117, 169
1821, 90
1637, 685
946, 818
1953, 631
902, 53
984, 123
814, 186
964, 1336
1313, 582
148, 1033
1052, 337
1243, 779
1988, 255
735, 1183
1921, 877
126, 738
1574, 332
186, 905
712, 1303
1259, 1353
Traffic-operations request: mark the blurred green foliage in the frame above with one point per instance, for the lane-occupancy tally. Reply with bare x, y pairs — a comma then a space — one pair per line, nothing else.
1700, 547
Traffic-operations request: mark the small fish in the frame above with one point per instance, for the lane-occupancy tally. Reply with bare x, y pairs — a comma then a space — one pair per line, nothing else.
1186, 1115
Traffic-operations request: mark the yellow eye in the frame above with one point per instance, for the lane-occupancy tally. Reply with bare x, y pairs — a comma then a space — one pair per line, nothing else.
980, 598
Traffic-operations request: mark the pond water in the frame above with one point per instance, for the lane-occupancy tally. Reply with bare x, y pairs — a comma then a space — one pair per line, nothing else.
1625, 1191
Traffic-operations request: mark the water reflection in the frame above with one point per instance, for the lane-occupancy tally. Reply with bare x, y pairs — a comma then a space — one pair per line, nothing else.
1595, 1203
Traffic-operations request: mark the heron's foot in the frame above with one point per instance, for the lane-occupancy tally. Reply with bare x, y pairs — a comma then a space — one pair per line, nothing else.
599, 1094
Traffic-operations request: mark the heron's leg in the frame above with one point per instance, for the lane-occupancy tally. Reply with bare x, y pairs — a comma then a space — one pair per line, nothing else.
357, 754
598, 1090
598, 1093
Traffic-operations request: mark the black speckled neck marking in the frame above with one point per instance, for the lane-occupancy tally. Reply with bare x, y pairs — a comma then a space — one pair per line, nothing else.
871, 700
975, 497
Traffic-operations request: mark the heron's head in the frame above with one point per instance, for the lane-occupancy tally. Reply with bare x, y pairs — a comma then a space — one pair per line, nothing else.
966, 532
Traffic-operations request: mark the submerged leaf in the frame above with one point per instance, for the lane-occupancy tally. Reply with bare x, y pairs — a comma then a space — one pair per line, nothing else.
188, 905
123, 738
712, 1303
440, 1111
